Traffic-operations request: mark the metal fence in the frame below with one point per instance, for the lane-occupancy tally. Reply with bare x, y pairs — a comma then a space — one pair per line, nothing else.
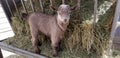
10, 6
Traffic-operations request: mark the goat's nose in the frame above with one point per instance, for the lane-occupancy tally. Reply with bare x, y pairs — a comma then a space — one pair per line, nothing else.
65, 20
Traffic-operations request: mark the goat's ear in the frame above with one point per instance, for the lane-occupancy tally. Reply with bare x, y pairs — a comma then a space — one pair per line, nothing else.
52, 8
74, 7
24, 15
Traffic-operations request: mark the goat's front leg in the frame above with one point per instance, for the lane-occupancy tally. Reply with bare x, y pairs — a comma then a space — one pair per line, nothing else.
55, 43
35, 42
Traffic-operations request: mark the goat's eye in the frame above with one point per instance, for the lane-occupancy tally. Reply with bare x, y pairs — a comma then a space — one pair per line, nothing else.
60, 13
69, 11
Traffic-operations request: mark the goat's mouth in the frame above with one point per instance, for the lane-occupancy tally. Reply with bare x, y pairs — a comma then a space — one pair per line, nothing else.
65, 20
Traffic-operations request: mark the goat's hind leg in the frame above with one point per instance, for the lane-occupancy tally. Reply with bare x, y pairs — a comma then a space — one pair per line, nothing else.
35, 41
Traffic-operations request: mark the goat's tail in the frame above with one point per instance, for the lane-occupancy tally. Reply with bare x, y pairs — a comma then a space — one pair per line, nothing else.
25, 15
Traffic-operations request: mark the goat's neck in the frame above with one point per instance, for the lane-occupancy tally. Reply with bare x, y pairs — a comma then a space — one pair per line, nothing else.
61, 24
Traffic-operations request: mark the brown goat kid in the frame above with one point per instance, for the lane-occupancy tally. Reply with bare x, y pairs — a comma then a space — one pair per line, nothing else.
52, 26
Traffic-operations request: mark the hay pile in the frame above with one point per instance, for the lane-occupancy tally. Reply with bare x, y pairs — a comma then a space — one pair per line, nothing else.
77, 42
87, 35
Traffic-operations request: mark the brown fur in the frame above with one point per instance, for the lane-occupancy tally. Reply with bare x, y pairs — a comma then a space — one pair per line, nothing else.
51, 26
47, 25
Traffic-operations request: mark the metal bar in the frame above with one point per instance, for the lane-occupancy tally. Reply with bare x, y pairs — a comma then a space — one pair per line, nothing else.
78, 11
95, 12
9, 7
41, 5
17, 9
24, 7
32, 6
114, 26
1, 56
19, 51
95, 17
51, 3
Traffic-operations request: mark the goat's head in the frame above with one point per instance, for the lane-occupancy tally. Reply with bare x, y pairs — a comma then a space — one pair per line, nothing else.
63, 13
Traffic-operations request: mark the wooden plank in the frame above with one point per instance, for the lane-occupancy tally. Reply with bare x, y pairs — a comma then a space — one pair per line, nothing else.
5, 29
19, 51
3, 19
1, 10
6, 34
3, 22
2, 14
3, 26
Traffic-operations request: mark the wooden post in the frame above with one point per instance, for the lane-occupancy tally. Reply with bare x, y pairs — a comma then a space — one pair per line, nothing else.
1, 56
41, 6
32, 6
23, 4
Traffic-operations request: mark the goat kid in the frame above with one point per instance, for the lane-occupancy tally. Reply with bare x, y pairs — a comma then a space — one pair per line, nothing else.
52, 26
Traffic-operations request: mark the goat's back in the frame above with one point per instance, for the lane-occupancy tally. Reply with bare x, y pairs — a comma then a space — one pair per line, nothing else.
42, 22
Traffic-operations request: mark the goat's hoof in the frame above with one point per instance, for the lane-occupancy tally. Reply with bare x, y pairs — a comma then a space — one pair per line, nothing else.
38, 51
55, 55
59, 49
39, 44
